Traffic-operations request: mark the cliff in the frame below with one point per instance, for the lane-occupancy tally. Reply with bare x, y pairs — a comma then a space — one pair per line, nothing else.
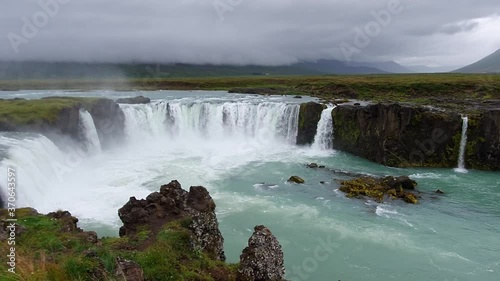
406, 135
59, 116
173, 234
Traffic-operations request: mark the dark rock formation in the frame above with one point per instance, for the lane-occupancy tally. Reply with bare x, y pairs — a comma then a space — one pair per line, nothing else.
173, 203
127, 270
68, 221
379, 189
134, 100
69, 224
262, 260
309, 116
109, 121
483, 141
398, 135
296, 179
312, 165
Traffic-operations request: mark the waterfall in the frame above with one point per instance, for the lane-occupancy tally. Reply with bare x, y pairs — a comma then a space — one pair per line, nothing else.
324, 134
39, 164
463, 144
89, 130
216, 121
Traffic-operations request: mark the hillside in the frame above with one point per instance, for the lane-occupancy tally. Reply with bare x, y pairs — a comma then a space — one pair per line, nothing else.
489, 64
72, 70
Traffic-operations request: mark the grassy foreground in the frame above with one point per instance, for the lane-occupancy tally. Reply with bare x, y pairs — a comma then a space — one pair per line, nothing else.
396, 87
49, 249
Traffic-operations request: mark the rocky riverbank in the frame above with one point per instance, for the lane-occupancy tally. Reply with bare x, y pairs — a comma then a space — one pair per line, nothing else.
173, 234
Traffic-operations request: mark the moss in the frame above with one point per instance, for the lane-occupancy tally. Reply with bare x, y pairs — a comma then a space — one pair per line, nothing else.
377, 189
346, 128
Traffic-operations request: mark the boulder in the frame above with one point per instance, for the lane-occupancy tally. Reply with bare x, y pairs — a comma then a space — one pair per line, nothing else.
312, 165
262, 260
134, 100
127, 270
296, 179
173, 203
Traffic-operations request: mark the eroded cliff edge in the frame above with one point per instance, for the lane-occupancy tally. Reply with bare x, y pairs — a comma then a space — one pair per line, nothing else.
406, 135
60, 116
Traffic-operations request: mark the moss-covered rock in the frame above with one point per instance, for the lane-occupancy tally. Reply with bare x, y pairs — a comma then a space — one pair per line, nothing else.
398, 135
380, 188
296, 179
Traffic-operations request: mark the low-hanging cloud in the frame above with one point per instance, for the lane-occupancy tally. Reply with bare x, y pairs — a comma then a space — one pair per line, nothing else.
267, 32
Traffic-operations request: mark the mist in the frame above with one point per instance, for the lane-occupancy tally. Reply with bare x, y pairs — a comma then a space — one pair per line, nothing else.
246, 32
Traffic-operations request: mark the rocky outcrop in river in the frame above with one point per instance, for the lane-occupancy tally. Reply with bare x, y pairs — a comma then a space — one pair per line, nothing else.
195, 208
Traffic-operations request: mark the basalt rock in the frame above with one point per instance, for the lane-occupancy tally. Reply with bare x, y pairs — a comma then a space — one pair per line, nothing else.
109, 121
172, 203
483, 141
262, 260
134, 100
398, 135
309, 116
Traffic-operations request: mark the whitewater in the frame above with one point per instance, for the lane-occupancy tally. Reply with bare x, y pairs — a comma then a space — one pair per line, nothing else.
242, 148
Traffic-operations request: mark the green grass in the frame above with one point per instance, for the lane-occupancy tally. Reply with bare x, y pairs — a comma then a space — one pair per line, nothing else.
35, 112
419, 88
45, 253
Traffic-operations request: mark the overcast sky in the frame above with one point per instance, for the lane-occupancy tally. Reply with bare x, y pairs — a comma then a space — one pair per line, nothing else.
419, 32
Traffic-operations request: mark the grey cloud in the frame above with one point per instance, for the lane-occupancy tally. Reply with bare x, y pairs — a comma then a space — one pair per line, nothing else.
267, 32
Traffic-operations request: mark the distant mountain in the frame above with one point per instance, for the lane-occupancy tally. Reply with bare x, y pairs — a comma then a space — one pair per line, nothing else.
430, 69
489, 64
338, 67
72, 70
387, 66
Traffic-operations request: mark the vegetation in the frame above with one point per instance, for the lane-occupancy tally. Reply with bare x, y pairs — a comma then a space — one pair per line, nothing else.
46, 251
459, 89
22, 112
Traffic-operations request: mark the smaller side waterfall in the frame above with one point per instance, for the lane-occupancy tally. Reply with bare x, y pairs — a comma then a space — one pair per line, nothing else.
463, 143
324, 134
89, 131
